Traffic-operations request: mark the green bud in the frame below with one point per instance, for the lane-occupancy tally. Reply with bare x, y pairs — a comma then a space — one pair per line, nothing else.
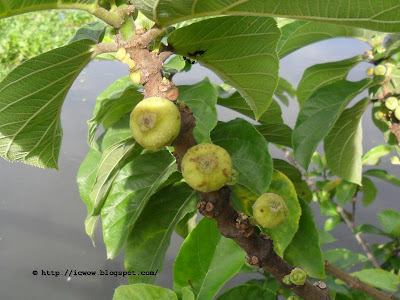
120, 54
380, 70
391, 103
135, 77
379, 49
370, 72
298, 276
286, 280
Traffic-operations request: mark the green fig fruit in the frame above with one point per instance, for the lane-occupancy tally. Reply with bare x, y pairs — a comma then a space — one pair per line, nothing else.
270, 210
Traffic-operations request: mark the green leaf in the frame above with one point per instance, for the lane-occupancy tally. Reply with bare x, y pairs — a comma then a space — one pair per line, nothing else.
277, 133
187, 294
112, 160
302, 189
319, 115
373, 156
321, 75
142, 291
176, 63
201, 98
325, 237
249, 152
284, 233
343, 145
14, 7
383, 175
298, 34
284, 87
248, 292
345, 192
343, 258
130, 192
243, 199
380, 16
33, 135
369, 191
150, 237
378, 278
367, 228
390, 220
186, 224
306, 252
236, 102
94, 31
252, 70
208, 270
117, 100
332, 222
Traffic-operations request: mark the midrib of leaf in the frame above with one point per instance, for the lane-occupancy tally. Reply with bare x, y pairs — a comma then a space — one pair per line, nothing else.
169, 227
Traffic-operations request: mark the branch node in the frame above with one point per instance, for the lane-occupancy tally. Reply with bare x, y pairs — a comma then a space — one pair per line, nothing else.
253, 261
322, 285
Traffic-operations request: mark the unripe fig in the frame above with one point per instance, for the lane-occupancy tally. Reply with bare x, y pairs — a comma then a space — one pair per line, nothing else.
391, 103
370, 72
380, 70
135, 77
207, 167
270, 210
155, 123
397, 113
298, 276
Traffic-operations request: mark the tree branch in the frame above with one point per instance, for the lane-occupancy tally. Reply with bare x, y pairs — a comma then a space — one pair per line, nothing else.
357, 284
341, 211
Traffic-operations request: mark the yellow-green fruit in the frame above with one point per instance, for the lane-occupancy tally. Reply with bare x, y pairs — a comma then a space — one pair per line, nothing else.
391, 103
370, 72
206, 167
397, 113
380, 70
270, 210
155, 122
298, 276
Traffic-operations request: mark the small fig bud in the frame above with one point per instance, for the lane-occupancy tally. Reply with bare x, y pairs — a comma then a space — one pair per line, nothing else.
298, 276
135, 77
391, 103
206, 167
128, 60
155, 123
370, 72
379, 49
270, 210
397, 113
120, 54
286, 280
380, 70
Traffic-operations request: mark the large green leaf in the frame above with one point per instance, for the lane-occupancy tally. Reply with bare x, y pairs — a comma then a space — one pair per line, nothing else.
302, 189
131, 190
277, 133
300, 33
306, 252
284, 233
320, 75
15, 7
343, 258
236, 102
201, 98
379, 278
248, 292
241, 50
319, 115
143, 291
377, 15
343, 145
249, 152
390, 220
208, 270
151, 234
117, 100
31, 97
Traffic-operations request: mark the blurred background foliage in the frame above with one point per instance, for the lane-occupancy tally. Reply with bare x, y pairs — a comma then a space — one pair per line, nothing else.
28, 35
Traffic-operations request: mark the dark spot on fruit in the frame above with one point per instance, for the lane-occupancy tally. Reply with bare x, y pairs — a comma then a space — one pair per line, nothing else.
261, 210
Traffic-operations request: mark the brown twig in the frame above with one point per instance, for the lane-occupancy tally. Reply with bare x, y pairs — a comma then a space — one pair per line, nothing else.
341, 211
105, 48
357, 284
